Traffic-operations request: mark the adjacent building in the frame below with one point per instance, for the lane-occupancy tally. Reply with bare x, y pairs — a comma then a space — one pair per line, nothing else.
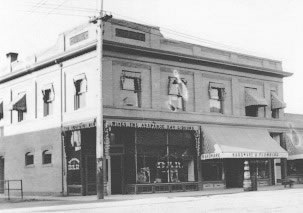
155, 140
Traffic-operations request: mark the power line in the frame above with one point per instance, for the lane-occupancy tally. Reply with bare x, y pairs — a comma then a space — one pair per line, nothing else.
198, 39
71, 8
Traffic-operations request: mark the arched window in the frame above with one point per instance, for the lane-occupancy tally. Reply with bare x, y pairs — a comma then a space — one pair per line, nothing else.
46, 157
29, 158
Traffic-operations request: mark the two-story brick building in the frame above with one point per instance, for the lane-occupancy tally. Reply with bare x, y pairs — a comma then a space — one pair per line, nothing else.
155, 140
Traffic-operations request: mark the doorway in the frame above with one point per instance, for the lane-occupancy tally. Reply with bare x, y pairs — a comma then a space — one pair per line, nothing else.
1, 174
90, 174
117, 174
234, 169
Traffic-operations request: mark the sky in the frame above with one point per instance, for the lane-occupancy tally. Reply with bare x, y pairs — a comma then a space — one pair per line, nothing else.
271, 29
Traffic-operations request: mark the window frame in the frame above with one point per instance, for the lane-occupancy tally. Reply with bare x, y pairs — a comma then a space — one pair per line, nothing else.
254, 109
137, 82
220, 99
21, 115
45, 155
275, 113
48, 98
80, 94
29, 159
176, 97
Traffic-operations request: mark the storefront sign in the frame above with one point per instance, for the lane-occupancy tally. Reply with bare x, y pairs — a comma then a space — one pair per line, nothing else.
82, 125
243, 155
73, 164
151, 125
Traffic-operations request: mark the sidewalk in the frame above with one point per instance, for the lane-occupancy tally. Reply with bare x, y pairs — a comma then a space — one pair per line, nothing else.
112, 198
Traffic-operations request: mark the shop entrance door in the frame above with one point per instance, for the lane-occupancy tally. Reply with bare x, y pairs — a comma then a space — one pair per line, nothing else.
1, 175
117, 174
90, 178
234, 169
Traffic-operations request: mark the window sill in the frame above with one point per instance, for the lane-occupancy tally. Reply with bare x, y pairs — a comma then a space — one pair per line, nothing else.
30, 166
47, 165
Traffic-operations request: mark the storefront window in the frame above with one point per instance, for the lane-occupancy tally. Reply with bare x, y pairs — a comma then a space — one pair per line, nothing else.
212, 170
165, 156
294, 167
262, 169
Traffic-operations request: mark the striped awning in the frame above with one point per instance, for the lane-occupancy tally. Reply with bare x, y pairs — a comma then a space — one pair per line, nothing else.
276, 102
253, 99
239, 142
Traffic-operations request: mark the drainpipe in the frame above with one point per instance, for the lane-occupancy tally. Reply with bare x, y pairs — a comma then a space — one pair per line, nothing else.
61, 126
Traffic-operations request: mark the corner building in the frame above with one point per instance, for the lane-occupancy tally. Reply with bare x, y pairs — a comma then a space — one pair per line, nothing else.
234, 112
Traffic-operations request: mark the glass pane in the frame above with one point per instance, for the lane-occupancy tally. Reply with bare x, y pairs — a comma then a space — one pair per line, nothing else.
263, 169
180, 138
294, 167
151, 137
215, 105
211, 171
214, 93
128, 83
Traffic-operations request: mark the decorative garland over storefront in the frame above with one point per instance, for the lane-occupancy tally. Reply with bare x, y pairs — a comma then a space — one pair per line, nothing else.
149, 125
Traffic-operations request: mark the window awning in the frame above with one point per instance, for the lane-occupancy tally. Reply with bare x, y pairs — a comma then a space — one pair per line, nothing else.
20, 103
48, 93
253, 99
238, 142
80, 82
276, 102
294, 145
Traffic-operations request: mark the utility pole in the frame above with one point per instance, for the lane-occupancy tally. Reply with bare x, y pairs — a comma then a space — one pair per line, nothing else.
99, 117
99, 121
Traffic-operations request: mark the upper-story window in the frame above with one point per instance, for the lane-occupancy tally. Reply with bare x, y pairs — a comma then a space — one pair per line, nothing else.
131, 88
1, 110
216, 97
253, 101
80, 83
175, 97
276, 104
19, 105
48, 98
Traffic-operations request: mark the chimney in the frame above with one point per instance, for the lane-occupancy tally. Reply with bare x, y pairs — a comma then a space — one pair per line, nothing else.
11, 56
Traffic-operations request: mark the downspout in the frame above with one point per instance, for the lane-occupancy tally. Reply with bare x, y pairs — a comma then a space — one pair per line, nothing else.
61, 126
